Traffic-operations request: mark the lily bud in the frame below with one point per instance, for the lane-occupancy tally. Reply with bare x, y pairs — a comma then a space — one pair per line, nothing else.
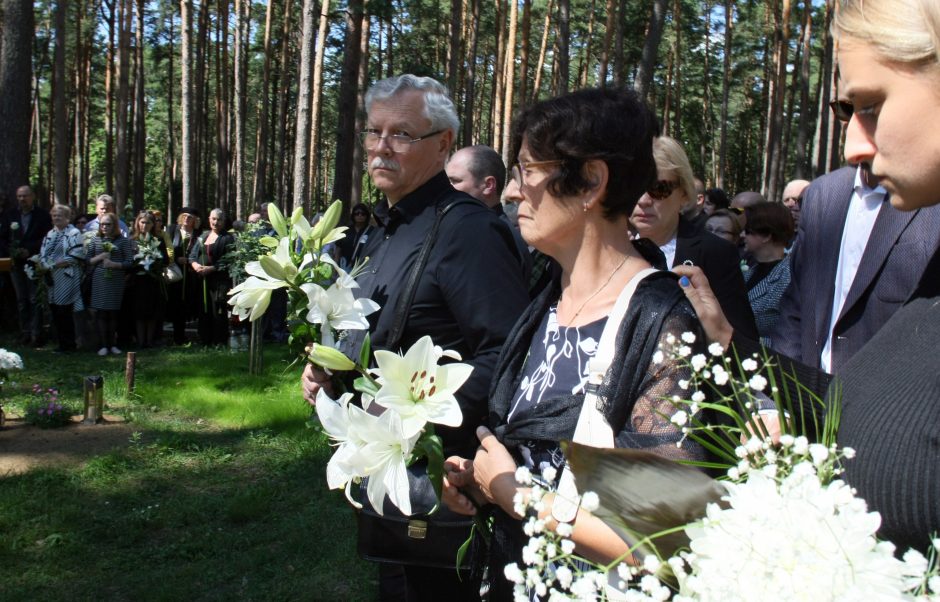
330, 358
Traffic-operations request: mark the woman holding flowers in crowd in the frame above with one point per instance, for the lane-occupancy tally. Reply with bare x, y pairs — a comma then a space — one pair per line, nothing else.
62, 251
149, 294
584, 159
206, 259
109, 256
889, 99
183, 294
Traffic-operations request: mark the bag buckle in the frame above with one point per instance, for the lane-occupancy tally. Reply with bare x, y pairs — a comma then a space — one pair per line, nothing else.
417, 529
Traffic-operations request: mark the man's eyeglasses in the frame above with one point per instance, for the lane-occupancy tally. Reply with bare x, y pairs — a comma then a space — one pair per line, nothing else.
399, 143
518, 171
842, 109
796, 200
662, 189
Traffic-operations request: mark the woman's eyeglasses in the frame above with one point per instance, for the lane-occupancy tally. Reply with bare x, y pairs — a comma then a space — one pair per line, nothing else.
662, 189
518, 171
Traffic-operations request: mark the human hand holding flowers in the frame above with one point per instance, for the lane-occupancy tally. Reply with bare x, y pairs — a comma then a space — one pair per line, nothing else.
494, 472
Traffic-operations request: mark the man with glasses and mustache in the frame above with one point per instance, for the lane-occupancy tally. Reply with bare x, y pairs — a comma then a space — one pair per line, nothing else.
855, 261
467, 297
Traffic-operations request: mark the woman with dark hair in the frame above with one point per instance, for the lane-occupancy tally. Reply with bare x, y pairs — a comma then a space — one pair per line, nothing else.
584, 159
723, 223
207, 261
360, 226
109, 255
769, 230
715, 200
146, 284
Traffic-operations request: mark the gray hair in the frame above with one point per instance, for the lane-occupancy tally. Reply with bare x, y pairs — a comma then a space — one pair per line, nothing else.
438, 107
107, 199
220, 212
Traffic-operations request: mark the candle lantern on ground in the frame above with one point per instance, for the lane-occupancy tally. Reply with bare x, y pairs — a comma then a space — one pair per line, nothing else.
94, 399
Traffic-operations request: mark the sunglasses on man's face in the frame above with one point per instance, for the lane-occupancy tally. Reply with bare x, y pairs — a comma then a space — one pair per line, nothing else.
662, 189
842, 109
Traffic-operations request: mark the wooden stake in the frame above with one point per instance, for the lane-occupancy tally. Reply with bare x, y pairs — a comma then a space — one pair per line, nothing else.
130, 369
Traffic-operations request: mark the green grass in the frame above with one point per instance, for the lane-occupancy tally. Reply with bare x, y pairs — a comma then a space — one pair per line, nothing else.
221, 496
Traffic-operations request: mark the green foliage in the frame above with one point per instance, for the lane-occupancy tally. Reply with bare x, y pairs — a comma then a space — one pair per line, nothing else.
220, 494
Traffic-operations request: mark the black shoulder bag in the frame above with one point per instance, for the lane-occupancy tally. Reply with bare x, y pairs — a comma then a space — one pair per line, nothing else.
421, 539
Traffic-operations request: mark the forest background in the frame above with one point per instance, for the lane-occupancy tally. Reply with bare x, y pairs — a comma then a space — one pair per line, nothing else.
230, 103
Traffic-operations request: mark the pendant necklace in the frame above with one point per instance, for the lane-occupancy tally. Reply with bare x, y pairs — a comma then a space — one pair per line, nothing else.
602, 287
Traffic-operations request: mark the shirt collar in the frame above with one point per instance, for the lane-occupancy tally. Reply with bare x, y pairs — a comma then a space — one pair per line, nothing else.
862, 189
413, 203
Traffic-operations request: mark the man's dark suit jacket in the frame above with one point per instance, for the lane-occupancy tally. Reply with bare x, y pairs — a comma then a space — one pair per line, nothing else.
900, 245
719, 259
29, 239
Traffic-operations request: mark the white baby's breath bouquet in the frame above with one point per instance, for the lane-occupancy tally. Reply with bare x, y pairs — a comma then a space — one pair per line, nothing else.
779, 524
401, 398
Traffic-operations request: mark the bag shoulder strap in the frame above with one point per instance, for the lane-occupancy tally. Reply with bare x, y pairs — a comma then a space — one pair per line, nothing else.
592, 427
407, 296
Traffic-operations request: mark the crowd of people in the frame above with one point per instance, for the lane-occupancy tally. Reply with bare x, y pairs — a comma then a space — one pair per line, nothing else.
108, 285
559, 278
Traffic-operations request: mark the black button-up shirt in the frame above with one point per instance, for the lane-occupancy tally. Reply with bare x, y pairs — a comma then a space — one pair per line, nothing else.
467, 299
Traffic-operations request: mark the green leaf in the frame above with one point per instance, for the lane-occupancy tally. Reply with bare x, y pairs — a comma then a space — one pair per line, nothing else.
643, 496
269, 241
432, 448
365, 354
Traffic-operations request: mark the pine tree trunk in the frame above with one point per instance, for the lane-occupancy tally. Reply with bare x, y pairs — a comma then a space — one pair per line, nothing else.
678, 78
564, 46
772, 141
644, 75
620, 75
186, 113
802, 130
453, 45
223, 149
284, 175
140, 128
304, 93
524, 52
510, 78
543, 48
16, 69
347, 113
61, 115
122, 123
242, 22
608, 38
315, 102
259, 190
363, 79
470, 87
725, 89
499, 70
109, 98
585, 67
172, 202
827, 88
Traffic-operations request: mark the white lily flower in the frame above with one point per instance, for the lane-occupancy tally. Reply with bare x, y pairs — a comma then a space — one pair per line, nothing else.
419, 390
336, 308
387, 453
252, 297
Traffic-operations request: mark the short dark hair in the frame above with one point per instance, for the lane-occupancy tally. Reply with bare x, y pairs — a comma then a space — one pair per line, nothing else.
484, 162
772, 219
718, 198
612, 125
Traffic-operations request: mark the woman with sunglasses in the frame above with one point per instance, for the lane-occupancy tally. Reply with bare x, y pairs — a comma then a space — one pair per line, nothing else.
657, 216
110, 255
349, 248
583, 161
889, 99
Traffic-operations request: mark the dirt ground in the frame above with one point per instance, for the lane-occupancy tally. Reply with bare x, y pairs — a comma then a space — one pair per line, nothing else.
23, 446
